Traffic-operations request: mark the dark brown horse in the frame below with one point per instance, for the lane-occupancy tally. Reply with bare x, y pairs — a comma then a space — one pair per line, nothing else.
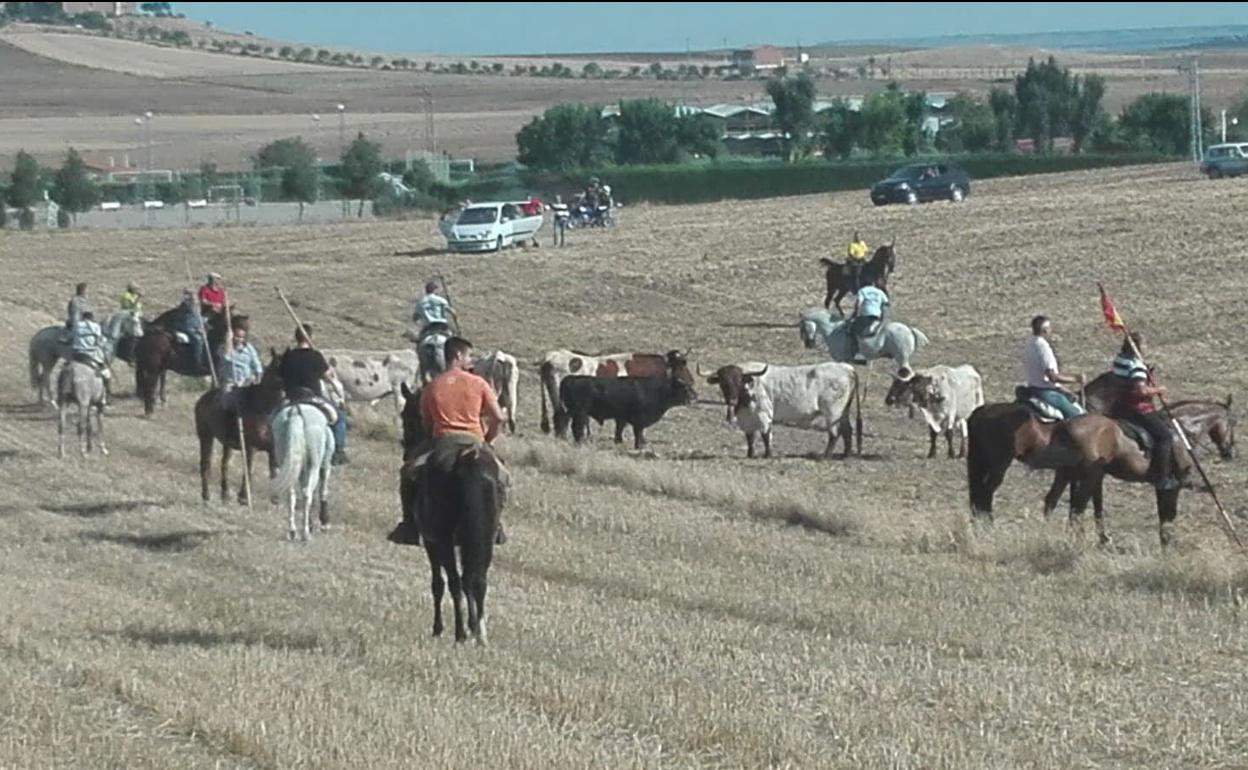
158, 352
879, 267
212, 424
464, 507
1083, 450
1204, 421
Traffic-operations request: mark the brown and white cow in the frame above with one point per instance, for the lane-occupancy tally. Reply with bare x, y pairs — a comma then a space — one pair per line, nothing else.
945, 395
759, 396
558, 364
503, 373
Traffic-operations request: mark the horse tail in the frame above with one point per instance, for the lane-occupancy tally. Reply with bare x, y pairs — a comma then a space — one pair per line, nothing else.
292, 444
920, 339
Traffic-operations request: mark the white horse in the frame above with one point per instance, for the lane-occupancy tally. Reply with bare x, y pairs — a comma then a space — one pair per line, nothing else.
48, 346
81, 384
891, 340
303, 444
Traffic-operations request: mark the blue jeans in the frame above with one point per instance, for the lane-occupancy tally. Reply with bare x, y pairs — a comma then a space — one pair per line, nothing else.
340, 431
1058, 400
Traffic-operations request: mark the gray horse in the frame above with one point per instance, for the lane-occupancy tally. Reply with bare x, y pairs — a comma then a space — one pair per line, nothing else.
81, 384
892, 340
47, 347
431, 353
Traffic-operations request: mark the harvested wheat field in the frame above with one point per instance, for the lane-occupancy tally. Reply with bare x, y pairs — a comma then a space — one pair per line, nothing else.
682, 608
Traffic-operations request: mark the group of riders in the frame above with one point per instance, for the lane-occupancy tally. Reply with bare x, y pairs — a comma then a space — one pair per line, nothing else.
1042, 380
459, 408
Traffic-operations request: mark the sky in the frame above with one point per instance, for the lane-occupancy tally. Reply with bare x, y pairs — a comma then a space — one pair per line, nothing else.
536, 28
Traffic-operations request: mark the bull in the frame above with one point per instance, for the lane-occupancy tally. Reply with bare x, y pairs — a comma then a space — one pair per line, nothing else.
558, 364
638, 402
945, 396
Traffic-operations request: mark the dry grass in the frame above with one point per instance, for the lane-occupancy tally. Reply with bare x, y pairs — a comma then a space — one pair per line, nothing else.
688, 608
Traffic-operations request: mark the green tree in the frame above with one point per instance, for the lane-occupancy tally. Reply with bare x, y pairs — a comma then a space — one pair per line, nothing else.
882, 119
1158, 121
360, 166
591, 70
296, 163
700, 135
794, 99
648, 132
1087, 113
973, 127
841, 130
25, 186
914, 105
1004, 108
566, 136
419, 177
72, 188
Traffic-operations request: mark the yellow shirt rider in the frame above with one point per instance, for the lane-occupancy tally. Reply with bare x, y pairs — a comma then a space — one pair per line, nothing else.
856, 258
132, 299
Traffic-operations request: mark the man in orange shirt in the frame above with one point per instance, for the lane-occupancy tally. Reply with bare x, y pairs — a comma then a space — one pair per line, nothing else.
453, 408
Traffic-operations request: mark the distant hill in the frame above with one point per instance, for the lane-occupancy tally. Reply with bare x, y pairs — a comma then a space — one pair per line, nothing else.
1119, 40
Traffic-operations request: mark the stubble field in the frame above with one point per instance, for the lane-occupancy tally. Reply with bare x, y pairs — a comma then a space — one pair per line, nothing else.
684, 608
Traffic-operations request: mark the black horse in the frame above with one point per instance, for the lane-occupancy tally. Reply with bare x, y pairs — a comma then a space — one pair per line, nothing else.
158, 352
462, 508
879, 267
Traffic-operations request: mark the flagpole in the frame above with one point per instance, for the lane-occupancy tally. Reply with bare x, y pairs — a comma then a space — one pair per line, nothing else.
1116, 320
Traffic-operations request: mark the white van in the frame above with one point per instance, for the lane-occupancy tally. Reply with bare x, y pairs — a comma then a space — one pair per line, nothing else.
489, 226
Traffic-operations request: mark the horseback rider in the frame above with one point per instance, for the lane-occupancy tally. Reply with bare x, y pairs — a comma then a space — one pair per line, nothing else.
872, 301
132, 299
433, 311
88, 347
452, 408
212, 295
1041, 377
78, 304
1135, 405
189, 321
306, 377
239, 365
855, 260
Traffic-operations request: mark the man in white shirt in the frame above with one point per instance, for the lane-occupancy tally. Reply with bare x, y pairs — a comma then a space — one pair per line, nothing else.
1040, 372
434, 312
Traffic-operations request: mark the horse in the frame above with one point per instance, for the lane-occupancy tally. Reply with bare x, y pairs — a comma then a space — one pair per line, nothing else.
1204, 421
212, 424
464, 510
881, 265
303, 443
81, 384
47, 346
892, 339
1082, 450
158, 352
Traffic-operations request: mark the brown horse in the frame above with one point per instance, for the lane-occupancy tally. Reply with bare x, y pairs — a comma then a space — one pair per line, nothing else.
880, 267
212, 424
1204, 421
1083, 450
158, 352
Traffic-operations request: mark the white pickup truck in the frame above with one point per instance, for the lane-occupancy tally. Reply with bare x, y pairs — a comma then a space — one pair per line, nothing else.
490, 226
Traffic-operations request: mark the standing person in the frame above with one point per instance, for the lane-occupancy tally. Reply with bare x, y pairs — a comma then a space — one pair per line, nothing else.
1135, 405
559, 220
855, 260
1040, 373
305, 376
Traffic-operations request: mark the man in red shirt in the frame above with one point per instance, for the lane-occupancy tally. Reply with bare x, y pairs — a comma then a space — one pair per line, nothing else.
453, 409
1135, 405
212, 295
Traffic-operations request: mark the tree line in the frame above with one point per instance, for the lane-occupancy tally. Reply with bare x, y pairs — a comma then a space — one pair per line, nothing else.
1045, 103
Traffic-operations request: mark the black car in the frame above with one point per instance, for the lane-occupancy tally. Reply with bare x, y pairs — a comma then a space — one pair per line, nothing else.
922, 182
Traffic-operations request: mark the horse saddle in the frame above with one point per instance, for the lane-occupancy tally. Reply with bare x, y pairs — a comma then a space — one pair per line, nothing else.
305, 396
1137, 434
1043, 411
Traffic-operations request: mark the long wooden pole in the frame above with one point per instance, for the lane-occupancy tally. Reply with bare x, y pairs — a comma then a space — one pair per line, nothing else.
1187, 444
291, 310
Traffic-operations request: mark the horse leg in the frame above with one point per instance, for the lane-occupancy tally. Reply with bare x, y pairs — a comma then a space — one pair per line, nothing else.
322, 494
60, 430
1167, 511
1054, 495
437, 586
99, 424
164, 375
226, 454
1080, 492
205, 464
1098, 509
84, 429
447, 558
243, 491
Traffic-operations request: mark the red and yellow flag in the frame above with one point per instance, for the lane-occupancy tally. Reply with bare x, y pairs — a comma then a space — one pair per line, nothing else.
1111, 313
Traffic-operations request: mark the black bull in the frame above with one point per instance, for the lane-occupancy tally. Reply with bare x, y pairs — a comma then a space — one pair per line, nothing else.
631, 401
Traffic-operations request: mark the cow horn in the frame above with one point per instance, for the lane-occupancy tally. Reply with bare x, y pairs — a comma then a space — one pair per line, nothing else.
759, 373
